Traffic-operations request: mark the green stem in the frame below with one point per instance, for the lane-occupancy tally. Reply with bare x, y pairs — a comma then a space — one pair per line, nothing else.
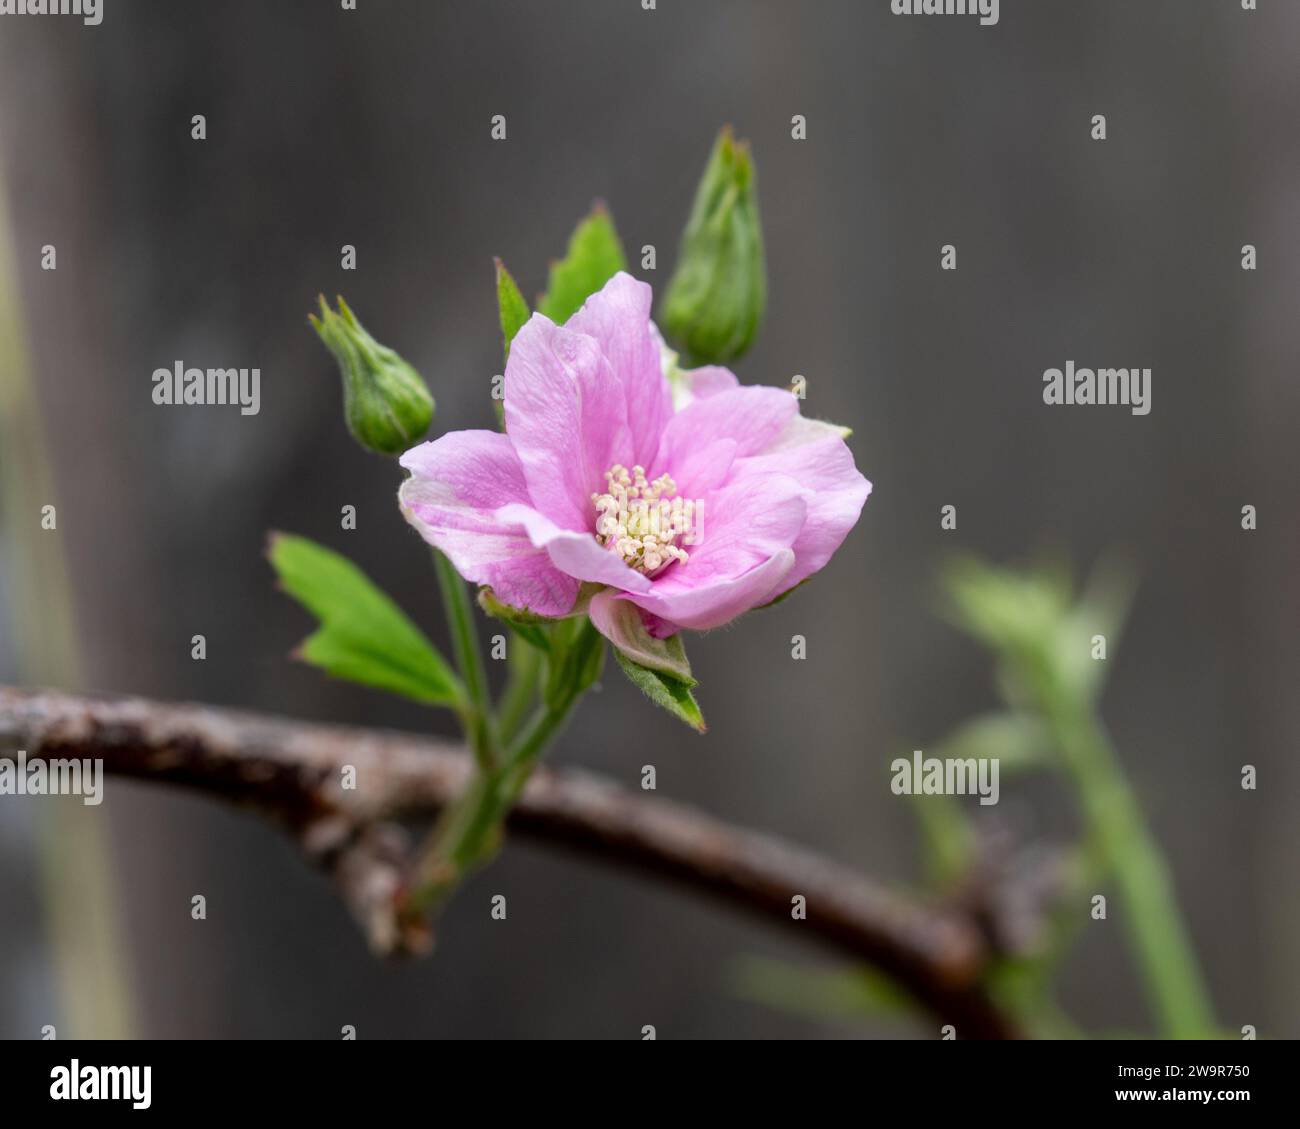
522, 663
531, 746
476, 713
1150, 910
476, 835
471, 828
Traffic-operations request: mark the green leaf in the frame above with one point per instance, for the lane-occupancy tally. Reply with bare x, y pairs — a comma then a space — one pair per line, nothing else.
1040, 630
1017, 741
1012, 613
594, 256
363, 636
663, 690
1102, 609
511, 305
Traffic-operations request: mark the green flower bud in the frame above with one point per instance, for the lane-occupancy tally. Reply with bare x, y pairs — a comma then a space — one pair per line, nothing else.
385, 401
715, 301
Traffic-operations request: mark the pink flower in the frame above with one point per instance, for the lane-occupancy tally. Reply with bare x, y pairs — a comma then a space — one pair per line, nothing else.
692, 497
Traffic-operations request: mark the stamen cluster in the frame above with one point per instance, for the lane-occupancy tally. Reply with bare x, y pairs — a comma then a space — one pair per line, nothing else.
643, 522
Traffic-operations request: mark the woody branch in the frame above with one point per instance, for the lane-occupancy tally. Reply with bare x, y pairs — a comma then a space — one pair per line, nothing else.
292, 773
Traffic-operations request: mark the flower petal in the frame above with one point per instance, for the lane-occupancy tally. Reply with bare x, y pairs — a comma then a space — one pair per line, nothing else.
752, 416
714, 604
575, 553
566, 416
629, 629
746, 551
456, 484
815, 455
618, 317
704, 468
709, 380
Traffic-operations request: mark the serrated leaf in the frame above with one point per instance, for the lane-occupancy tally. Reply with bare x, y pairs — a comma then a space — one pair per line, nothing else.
663, 690
594, 256
511, 306
363, 636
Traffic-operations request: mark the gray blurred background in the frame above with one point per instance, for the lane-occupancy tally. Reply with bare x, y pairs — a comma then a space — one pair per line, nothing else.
371, 128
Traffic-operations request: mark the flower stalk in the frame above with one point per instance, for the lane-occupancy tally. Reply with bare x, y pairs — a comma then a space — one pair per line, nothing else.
471, 830
1128, 852
523, 664
476, 712
1032, 625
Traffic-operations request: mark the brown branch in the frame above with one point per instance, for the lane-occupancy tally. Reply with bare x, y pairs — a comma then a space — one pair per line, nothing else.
293, 773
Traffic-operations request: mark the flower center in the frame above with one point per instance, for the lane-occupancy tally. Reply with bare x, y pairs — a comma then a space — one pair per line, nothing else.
643, 522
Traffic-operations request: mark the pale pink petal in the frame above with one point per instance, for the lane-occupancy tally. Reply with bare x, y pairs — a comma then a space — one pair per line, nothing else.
566, 416
717, 603
703, 468
749, 529
752, 416
576, 553
659, 628
745, 522
628, 628
815, 455
456, 484
692, 383
618, 317
709, 380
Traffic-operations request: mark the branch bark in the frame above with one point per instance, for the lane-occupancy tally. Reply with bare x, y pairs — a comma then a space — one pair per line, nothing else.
291, 772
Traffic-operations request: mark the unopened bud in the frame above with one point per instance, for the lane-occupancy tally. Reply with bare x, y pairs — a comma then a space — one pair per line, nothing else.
715, 301
385, 401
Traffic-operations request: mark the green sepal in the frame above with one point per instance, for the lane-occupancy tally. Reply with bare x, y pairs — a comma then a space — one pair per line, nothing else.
525, 623
664, 690
511, 306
